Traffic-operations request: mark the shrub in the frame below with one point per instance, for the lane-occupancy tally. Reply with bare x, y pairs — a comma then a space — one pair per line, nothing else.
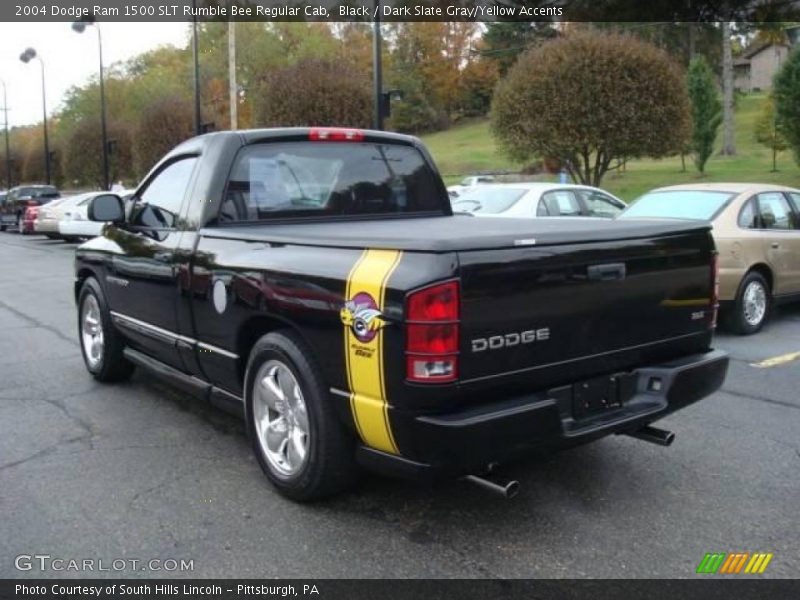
590, 98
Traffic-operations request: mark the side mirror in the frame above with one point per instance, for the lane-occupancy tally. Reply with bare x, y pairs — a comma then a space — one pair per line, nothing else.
105, 208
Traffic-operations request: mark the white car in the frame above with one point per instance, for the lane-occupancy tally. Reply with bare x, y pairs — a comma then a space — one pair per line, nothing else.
75, 224
468, 183
539, 199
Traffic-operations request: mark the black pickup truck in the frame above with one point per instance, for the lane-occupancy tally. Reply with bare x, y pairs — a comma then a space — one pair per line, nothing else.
317, 282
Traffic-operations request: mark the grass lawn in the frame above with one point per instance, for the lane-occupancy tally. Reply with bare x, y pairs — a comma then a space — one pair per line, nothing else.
470, 148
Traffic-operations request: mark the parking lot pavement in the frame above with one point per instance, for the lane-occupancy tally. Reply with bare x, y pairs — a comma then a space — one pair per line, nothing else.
138, 470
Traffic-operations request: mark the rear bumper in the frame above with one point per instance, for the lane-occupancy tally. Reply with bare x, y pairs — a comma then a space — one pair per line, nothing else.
80, 228
46, 226
465, 442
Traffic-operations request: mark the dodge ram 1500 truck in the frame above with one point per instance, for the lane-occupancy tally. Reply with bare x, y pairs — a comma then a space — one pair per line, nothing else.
316, 281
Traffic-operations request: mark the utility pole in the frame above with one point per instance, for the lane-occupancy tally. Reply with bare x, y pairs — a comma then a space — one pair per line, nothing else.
234, 90
8, 151
377, 74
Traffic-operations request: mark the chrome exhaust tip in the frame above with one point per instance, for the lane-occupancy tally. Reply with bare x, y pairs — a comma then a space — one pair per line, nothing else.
654, 435
507, 490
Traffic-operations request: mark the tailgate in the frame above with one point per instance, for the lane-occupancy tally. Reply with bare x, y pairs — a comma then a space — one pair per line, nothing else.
556, 314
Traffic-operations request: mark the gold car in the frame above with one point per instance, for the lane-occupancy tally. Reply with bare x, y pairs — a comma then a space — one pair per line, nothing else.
757, 231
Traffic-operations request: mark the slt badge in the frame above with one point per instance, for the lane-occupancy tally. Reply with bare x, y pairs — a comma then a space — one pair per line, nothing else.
361, 314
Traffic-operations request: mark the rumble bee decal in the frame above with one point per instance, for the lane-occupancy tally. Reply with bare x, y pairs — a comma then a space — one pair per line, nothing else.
361, 314
363, 326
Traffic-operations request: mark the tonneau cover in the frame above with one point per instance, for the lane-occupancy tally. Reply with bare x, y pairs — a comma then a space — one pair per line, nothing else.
457, 233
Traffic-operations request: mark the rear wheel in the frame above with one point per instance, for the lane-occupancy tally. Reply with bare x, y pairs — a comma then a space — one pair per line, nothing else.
101, 344
301, 446
752, 306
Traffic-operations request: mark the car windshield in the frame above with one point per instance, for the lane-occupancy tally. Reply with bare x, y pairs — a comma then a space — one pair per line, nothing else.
678, 204
487, 200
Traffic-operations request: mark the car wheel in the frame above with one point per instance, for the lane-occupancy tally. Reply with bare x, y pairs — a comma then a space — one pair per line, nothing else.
752, 306
300, 444
101, 343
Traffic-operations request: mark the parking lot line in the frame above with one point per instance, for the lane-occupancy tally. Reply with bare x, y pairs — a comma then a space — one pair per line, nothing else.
776, 360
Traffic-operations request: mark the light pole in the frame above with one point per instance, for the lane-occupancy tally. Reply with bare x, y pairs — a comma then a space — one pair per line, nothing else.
27, 57
377, 75
198, 121
8, 152
80, 27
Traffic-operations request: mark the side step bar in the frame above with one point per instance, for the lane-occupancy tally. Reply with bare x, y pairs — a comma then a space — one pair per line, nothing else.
654, 435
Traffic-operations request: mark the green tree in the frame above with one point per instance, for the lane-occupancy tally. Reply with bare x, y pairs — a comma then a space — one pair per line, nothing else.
786, 90
706, 110
83, 153
768, 132
590, 99
504, 42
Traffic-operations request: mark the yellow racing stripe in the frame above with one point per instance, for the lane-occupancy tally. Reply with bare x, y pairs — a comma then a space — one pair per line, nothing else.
366, 288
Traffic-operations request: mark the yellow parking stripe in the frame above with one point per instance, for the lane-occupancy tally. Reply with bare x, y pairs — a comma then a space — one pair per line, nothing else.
776, 361
364, 359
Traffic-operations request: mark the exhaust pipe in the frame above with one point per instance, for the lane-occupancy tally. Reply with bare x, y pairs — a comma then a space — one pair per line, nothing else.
507, 490
654, 435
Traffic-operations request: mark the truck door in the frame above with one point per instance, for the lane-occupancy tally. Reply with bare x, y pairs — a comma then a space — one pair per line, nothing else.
143, 284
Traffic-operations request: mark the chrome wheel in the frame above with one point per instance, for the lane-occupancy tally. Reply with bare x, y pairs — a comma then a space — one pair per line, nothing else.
92, 331
754, 303
280, 418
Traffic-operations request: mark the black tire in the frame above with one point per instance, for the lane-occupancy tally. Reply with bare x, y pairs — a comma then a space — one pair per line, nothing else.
738, 318
330, 465
112, 364
52, 236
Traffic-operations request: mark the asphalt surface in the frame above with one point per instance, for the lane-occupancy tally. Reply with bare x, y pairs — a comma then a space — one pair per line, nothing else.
140, 471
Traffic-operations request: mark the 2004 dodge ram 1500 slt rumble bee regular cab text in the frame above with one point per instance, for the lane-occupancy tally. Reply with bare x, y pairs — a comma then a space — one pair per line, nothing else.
317, 282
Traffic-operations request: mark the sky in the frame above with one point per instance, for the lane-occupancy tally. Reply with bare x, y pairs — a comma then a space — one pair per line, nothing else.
69, 59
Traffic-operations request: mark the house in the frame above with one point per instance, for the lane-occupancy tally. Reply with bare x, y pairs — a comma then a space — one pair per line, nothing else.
754, 69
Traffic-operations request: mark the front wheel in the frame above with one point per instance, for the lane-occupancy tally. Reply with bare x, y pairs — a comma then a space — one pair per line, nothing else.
752, 306
101, 344
301, 446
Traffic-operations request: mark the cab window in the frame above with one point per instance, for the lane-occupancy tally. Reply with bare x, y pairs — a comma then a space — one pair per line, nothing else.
158, 206
775, 212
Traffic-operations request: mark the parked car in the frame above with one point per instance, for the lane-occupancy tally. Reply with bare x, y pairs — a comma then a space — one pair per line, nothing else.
49, 216
757, 231
75, 223
469, 182
352, 319
539, 199
29, 220
19, 198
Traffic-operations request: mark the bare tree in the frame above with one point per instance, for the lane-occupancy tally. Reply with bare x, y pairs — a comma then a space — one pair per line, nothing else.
728, 124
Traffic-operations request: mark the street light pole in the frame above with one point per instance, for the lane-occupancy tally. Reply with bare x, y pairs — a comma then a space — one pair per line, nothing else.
377, 75
80, 27
8, 151
198, 122
27, 57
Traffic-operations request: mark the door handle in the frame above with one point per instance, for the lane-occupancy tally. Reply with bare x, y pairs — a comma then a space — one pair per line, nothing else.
775, 245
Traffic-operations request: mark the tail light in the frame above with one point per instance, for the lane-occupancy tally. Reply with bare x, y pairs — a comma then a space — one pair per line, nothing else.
714, 290
31, 213
334, 134
432, 333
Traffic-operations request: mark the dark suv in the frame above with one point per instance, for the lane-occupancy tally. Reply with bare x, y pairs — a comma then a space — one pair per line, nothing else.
12, 211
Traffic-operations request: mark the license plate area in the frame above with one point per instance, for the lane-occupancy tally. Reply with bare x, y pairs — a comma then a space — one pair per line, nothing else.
601, 394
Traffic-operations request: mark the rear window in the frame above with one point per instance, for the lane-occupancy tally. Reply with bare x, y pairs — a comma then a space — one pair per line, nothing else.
308, 179
683, 204
487, 200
